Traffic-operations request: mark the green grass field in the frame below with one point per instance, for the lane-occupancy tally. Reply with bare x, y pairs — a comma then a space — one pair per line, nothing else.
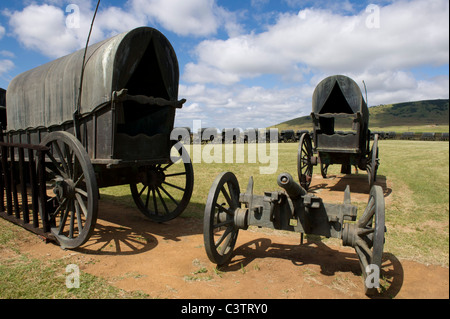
417, 216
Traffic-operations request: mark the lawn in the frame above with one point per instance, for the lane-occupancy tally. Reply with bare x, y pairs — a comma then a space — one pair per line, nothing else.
417, 215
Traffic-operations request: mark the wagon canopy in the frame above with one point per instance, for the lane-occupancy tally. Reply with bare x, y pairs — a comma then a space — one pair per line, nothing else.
141, 60
339, 94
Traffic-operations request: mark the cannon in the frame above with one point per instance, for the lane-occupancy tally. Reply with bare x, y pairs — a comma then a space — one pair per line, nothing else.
74, 127
228, 211
337, 100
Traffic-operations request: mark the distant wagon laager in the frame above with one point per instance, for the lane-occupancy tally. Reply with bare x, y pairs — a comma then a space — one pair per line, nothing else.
117, 132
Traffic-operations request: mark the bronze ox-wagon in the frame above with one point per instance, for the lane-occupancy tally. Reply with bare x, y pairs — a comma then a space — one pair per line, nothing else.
337, 100
64, 142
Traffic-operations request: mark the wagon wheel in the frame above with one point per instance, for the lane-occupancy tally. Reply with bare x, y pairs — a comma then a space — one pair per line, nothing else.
324, 169
162, 192
71, 189
372, 167
368, 240
219, 229
304, 164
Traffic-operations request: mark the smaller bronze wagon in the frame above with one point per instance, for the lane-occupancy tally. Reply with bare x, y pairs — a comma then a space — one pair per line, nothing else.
337, 101
112, 129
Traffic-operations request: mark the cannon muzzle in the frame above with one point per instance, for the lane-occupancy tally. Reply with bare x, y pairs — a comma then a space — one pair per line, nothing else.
292, 188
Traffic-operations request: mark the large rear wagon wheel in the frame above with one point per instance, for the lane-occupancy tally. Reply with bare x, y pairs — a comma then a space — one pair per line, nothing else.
163, 191
72, 192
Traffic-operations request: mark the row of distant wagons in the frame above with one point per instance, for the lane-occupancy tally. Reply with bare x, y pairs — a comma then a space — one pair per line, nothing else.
235, 135
71, 130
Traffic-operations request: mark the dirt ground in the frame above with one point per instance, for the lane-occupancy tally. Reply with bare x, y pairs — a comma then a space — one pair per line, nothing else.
169, 261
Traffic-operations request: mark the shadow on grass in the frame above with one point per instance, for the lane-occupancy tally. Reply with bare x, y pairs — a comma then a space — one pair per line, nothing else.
358, 184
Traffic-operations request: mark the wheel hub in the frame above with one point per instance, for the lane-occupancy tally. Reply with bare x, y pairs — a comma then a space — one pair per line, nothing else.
153, 178
64, 188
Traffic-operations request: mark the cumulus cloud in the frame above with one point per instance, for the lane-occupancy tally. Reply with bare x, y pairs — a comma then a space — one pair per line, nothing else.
195, 17
241, 106
5, 66
408, 33
379, 45
45, 28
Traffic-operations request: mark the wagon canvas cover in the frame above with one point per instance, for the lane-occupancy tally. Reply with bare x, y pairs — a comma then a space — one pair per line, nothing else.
48, 95
339, 94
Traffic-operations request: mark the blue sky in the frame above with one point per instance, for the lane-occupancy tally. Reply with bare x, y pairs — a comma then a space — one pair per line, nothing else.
253, 63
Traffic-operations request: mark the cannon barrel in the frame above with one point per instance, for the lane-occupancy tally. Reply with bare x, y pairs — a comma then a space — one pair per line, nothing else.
292, 188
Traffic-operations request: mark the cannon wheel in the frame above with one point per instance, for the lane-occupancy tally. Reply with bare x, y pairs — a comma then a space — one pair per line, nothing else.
370, 231
74, 195
372, 167
304, 165
219, 229
163, 191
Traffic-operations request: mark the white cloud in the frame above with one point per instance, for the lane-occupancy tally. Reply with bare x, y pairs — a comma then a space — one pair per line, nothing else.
182, 17
5, 66
44, 27
410, 33
240, 106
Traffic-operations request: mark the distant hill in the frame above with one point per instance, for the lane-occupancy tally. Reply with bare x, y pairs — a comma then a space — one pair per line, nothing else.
419, 116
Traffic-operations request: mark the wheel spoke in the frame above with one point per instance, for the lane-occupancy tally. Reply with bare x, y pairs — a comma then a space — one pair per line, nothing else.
223, 209
162, 201
63, 220
368, 213
154, 201
174, 186
176, 174
62, 158
227, 197
69, 155
227, 222
79, 180
223, 236
56, 164
72, 220
79, 221
142, 190
170, 196
81, 192
81, 203
148, 196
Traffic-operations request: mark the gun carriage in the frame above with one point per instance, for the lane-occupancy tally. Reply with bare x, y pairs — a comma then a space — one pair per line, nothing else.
228, 211
112, 129
337, 101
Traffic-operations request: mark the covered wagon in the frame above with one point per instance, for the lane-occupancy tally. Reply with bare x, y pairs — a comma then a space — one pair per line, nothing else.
337, 102
104, 124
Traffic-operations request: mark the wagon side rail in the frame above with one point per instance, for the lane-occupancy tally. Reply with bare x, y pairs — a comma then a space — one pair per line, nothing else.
23, 187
